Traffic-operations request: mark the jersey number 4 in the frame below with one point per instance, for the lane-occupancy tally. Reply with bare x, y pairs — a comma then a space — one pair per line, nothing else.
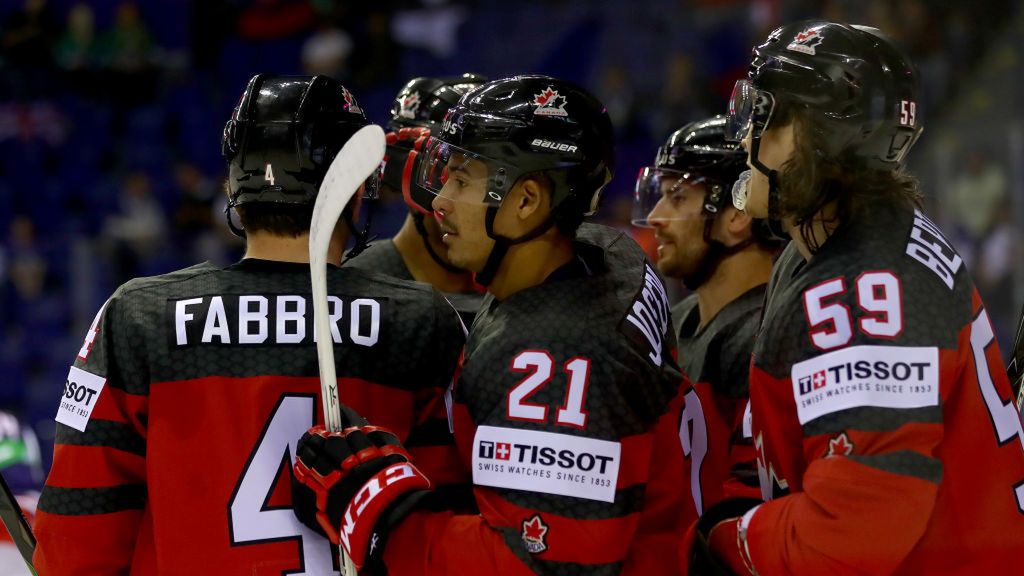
252, 519
540, 368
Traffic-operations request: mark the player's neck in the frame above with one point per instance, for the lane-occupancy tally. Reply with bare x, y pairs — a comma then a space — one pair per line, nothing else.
528, 264
421, 264
823, 224
266, 246
735, 276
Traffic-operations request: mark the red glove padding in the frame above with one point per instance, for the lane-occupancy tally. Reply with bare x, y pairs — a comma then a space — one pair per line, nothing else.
351, 486
403, 148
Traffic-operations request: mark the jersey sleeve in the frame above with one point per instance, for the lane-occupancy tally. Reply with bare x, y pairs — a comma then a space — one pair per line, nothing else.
431, 440
563, 487
865, 405
93, 502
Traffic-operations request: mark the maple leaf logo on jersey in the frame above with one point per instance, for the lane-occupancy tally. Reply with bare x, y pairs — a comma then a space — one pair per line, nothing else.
839, 446
805, 42
534, 534
350, 102
549, 103
409, 105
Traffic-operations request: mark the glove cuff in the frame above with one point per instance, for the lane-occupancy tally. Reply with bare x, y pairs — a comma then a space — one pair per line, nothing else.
361, 528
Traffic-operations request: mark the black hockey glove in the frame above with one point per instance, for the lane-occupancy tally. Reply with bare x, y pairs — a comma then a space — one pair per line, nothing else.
353, 485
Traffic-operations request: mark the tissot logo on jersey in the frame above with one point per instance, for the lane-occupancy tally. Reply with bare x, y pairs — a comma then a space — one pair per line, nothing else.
81, 393
878, 376
647, 320
546, 462
269, 319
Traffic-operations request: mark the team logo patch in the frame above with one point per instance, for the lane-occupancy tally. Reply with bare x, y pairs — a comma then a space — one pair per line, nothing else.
350, 102
81, 392
805, 42
535, 533
866, 376
549, 103
546, 463
839, 446
409, 105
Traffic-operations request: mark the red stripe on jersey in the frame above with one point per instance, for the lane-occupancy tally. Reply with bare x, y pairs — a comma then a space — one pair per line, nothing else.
101, 467
117, 405
387, 406
108, 538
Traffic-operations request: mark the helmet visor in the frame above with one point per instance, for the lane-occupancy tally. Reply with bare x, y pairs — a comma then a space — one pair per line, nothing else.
462, 176
750, 110
663, 194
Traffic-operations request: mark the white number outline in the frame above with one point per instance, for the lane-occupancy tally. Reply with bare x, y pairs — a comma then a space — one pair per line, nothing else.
695, 443
572, 412
291, 416
882, 316
1005, 419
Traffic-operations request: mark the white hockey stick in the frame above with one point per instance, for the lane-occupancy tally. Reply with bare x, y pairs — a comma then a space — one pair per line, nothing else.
356, 161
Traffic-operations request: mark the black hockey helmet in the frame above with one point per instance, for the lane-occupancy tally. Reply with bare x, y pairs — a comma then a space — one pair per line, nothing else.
417, 110
860, 89
424, 101
283, 135
698, 155
525, 125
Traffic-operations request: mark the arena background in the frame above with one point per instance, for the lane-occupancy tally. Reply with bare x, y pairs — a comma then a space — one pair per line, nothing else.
111, 115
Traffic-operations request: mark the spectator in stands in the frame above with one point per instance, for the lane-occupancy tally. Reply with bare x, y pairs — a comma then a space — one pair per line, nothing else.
139, 230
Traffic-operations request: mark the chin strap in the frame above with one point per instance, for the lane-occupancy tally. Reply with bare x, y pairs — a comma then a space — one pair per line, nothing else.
421, 228
240, 232
362, 237
774, 220
502, 244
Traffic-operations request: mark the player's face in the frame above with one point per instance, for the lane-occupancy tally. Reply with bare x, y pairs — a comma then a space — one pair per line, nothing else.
461, 211
777, 146
679, 227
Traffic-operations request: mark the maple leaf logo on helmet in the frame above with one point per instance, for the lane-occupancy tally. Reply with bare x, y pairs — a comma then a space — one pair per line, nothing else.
350, 102
535, 534
409, 105
549, 103
806, 41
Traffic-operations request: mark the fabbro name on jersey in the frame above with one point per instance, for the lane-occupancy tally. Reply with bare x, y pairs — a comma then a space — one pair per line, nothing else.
270, 319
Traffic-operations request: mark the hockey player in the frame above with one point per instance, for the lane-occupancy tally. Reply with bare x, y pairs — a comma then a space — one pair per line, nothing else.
887, 438
178, 422
416, 252
725, 257
568, 402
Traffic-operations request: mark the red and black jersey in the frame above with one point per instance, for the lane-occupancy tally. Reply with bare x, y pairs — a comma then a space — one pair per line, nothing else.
886, 434
567, 408
716, 357
177, 427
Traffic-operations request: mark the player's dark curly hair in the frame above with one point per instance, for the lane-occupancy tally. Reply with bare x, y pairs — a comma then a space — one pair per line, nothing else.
809, 181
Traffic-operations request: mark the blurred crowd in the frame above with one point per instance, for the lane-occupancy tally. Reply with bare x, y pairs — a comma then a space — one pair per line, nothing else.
111, 114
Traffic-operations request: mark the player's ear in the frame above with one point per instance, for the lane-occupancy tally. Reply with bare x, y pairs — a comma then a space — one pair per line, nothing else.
737, 222
531, 199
